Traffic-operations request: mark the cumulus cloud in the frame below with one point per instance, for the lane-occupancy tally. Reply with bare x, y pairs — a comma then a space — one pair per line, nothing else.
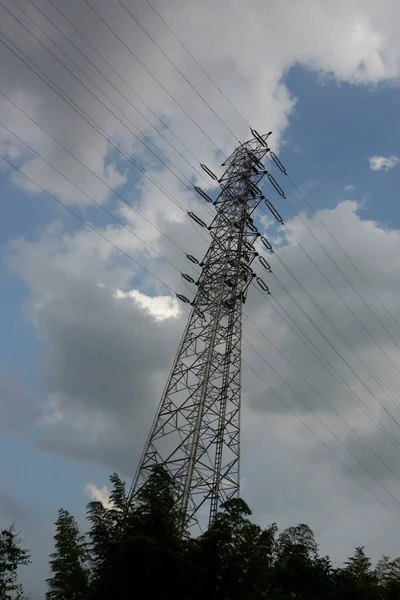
160, 307
382, 163
133, 343
108, 357
359, 44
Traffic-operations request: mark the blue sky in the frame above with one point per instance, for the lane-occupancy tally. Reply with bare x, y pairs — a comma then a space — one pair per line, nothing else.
333, 132
330, 122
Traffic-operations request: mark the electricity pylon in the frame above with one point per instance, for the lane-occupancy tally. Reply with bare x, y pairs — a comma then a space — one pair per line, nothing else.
196, 431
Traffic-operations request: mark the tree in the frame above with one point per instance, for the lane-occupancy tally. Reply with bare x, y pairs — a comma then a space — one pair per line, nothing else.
109, 527
137, 548
236, 555
357, 580
300, 538
156, 507
157, 544
12, 556
387, 573
298, 569
359, 565
137, 540
70, 578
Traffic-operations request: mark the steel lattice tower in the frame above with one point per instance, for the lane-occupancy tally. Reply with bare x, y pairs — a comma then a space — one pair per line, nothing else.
196, 431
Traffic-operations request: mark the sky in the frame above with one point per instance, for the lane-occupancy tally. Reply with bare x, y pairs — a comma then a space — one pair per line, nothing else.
105, 115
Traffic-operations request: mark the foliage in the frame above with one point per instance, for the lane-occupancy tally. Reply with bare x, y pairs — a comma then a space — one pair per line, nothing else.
69, 579
133, 541
12, 556
236, 554
387, 573
137, 549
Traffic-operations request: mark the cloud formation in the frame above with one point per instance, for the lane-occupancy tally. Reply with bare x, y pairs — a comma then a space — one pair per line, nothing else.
109, 328
382, 163
98, 108
108, 358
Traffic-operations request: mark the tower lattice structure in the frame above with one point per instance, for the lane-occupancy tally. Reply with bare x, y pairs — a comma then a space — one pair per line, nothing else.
196, 431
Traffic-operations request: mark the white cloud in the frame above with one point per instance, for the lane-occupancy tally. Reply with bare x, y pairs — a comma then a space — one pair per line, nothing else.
382, 163
355, 42
349, 188
99, 495
108, 358
160, 307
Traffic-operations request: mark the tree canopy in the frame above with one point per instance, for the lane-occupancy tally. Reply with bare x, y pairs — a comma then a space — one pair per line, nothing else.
12, 556
135, 549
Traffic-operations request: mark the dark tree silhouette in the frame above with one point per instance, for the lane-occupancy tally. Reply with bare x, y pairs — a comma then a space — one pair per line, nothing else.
137, 549
70, 576
12, 556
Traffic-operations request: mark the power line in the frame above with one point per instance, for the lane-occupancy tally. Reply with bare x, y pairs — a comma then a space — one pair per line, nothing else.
286, 173
54, 87
376, 316
321, 421
197, 63
163, 123
153, 76
374, 376
154, 276
334, 349
345, 277
130, 13
96, 97
165, 259
293, 183
349, 345
134, 261
168, 418
116, 145
86, 223
336, 329
115, 88
327, 365
338, 293
319, 394
343, 251
113, 114
114, 191
322, 442
89, 196
319, 269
